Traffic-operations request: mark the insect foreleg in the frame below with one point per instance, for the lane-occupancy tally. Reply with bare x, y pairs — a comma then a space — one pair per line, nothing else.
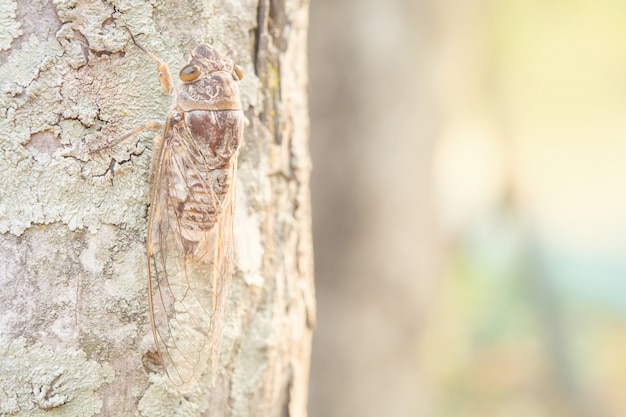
167, 83
149, 125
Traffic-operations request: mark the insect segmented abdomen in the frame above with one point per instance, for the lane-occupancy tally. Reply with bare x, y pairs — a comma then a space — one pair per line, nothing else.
201, 174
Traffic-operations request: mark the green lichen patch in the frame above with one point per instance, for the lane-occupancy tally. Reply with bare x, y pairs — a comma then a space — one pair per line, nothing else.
40, 381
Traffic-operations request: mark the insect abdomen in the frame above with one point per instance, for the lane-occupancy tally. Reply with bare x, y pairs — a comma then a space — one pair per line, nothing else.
201, 209
201, 170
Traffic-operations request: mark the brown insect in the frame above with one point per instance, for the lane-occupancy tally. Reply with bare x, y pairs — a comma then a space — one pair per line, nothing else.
190, 225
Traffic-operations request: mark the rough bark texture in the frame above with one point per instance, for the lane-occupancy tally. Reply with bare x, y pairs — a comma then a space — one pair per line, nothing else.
74, 329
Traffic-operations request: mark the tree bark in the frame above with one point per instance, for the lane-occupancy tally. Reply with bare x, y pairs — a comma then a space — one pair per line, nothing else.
74, 328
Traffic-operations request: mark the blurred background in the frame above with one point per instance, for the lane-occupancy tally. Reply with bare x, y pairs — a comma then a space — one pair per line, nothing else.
469, 197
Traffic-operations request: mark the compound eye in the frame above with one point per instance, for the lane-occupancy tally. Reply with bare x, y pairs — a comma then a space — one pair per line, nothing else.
238, 72
189, 73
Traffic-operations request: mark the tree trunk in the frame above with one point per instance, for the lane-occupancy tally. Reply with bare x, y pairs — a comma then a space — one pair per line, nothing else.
74, 329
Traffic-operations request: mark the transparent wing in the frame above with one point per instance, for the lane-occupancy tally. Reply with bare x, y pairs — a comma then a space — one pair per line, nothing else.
190, 251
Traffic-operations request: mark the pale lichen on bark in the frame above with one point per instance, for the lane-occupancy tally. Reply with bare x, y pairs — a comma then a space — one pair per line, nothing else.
53, 378
72, 223
10, 26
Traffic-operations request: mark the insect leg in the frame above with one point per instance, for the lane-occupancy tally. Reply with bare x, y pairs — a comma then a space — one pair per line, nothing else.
154, 160
167, 83
149, 125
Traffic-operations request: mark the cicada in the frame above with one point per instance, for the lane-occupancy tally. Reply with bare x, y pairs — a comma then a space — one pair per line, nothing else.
190, 224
